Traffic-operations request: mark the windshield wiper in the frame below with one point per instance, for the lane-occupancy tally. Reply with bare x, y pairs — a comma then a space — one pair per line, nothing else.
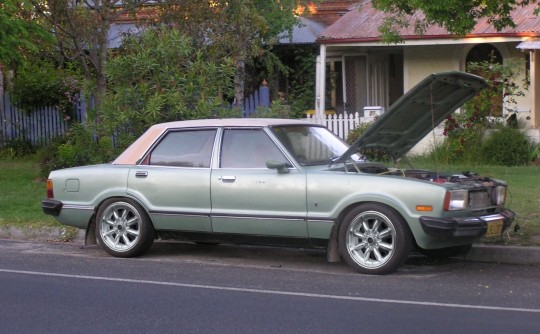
333, 159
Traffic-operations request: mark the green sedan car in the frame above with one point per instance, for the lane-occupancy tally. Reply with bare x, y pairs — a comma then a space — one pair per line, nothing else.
287, 183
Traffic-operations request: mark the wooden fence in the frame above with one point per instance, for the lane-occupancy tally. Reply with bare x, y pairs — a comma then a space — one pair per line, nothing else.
341, 124
36, 126
259, 98
39, 126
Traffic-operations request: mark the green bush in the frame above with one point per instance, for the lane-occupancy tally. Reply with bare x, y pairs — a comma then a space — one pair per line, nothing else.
160, 76
41, 84
506, 147
79, 147
357, 132
373, 155
18, 147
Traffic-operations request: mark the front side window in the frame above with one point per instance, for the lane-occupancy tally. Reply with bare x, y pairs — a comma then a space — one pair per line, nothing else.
189, 148
248, 148
310, 145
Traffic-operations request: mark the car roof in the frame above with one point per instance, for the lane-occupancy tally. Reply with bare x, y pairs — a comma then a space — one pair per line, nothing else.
224, 122
141, 145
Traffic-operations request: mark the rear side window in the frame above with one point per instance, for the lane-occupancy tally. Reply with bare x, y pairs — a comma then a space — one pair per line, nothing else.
189, 148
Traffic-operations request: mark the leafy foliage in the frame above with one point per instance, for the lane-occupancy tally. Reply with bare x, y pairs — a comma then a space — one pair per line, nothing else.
79, 147
506, 147
465, 130
17, 147
20, 34
159, 77
241, 30
457, 16
374, 155
302, 92
41, 84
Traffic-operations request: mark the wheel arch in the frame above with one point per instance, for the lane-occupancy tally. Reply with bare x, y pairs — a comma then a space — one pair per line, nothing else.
90, 234
333, 254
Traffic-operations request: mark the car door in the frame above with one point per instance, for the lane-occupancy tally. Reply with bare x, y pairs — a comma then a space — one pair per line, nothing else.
247, 196
173, 181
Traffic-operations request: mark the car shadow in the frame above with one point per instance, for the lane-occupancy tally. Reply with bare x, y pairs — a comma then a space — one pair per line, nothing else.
280, 257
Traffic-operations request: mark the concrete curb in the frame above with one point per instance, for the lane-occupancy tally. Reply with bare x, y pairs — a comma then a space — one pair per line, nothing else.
527, 256
517, 255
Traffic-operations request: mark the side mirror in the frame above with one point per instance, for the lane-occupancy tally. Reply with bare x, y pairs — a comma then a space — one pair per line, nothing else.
280, 166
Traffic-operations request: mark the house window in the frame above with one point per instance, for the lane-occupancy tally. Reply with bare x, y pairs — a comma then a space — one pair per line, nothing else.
486, 53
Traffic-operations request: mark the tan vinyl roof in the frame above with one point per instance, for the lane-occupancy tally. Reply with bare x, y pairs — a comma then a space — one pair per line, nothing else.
136, 150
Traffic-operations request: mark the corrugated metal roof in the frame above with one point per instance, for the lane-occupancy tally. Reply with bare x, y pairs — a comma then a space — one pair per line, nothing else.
529, 45
306, 31
362, 22
118, 31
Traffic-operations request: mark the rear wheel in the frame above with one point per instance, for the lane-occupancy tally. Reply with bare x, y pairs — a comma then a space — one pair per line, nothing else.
123, 228
374, 239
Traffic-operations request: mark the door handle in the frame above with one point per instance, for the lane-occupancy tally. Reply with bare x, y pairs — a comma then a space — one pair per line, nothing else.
227, 179
141, 174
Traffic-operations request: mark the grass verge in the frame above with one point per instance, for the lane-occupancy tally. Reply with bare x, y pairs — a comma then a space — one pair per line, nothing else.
23, 190
523, 197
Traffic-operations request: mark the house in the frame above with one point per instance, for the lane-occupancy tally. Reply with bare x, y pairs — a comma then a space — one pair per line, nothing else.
361, 72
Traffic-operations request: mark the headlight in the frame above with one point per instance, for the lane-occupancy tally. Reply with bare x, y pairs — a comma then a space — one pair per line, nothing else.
456, 200
499, 195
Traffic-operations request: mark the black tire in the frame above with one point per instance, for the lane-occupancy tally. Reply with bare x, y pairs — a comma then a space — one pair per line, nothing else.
123, 228
448, 252
374, 239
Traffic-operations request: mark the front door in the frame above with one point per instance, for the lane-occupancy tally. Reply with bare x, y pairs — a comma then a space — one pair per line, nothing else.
249, 198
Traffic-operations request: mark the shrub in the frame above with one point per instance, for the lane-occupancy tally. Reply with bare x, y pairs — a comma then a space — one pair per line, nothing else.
374, 155
40, 85
17, 148
357, 132
464, 130
507, 147
79, 147
160, 76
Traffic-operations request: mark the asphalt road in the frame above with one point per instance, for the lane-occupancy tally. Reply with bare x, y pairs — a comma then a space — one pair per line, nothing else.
186, 288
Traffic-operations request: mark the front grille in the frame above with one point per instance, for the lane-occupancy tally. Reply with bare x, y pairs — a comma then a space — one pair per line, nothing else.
478, 199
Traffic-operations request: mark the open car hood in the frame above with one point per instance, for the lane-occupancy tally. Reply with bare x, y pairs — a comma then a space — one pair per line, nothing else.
417, 112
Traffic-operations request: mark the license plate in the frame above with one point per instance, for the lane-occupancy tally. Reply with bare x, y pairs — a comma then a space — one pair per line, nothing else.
494, 228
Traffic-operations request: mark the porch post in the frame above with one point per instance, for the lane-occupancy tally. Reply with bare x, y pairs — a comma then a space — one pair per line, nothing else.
535, 88
321, 83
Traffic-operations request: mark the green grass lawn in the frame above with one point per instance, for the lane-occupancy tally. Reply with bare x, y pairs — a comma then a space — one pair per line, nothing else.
21, 194
523, 197
22, 191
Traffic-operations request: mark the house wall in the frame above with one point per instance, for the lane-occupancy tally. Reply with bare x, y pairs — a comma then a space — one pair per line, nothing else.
421, 61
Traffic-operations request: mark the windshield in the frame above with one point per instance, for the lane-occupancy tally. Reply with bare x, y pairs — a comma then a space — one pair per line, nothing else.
311, 145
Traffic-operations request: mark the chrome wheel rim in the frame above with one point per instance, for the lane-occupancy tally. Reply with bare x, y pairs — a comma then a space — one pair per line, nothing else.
371, 239
120, 226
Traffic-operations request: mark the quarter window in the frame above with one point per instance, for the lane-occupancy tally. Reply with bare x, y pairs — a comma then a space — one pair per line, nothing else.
191, 148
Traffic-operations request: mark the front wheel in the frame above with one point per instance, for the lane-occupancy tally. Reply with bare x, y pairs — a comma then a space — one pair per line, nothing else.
123, 228
374, 239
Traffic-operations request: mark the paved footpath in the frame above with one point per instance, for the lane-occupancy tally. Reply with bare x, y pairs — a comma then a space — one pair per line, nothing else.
518, 255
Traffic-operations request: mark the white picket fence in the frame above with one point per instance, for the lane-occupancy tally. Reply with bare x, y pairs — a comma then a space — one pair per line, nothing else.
341, 124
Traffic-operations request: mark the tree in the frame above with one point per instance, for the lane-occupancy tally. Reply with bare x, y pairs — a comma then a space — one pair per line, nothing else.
241, 29
81, 30
457, 16
161, 76
20, 33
